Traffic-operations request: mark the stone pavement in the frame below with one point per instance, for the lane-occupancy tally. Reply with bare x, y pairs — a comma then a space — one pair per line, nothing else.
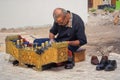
82, 71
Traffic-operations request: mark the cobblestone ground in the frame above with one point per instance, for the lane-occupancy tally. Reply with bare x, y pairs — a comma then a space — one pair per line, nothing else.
82, 71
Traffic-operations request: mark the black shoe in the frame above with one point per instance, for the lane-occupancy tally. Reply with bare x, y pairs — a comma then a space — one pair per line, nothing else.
103, 63
69, 66
15, 63
70, 63
112, 65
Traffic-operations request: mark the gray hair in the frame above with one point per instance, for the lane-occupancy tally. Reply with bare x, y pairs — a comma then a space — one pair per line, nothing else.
64, 12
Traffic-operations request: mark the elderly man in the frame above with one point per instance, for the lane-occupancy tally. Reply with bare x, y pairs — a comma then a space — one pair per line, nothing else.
68, 27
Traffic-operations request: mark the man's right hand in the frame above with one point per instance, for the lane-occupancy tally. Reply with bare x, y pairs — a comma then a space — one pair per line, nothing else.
51, 41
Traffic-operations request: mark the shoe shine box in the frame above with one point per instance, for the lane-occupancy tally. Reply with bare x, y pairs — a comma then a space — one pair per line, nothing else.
56, 53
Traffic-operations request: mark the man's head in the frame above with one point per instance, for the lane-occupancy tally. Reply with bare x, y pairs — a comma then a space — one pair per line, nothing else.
61, 16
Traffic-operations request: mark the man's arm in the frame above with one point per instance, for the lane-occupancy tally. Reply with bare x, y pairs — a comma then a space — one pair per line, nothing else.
51, 36
80, 32
74, 43
53, 32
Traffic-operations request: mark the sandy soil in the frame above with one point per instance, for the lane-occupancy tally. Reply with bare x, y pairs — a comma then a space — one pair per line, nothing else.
101, 34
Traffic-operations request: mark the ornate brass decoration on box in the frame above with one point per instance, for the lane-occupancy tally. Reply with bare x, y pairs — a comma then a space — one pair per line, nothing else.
27, 53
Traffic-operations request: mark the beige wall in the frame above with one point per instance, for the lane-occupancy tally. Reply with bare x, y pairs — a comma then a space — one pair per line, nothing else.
20, 13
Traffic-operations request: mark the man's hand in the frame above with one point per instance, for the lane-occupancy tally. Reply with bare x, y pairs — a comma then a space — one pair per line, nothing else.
51, 41
51, 37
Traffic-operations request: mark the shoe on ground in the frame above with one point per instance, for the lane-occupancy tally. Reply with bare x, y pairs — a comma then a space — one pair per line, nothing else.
94, 60
15, 63
112, 65
69, 66
103, 63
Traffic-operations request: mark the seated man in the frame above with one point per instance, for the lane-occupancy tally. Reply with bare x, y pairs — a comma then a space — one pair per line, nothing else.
68, 27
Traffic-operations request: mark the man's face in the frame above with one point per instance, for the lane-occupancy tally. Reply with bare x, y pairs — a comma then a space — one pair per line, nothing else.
61, 20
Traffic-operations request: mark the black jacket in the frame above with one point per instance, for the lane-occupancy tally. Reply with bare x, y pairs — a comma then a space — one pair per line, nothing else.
77, 32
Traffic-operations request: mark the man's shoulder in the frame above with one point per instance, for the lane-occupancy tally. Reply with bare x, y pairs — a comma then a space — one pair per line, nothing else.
76, 16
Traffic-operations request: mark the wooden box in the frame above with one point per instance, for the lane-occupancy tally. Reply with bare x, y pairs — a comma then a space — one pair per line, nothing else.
79, 55
56, 53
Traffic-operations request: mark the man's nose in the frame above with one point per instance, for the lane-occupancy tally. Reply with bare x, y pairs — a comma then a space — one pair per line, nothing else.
59, 20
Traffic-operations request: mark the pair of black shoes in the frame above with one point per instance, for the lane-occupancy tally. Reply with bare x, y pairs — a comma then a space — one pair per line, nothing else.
107, 65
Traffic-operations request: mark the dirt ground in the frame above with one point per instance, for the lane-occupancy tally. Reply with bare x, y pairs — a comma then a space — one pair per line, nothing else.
101, 34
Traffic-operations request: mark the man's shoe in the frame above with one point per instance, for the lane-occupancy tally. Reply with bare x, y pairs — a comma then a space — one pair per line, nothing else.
103, 63
15, 63
69, 66
112, 65
94, 60
70, 63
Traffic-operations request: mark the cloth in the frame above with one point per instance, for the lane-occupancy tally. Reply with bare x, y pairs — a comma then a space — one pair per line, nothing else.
42, 40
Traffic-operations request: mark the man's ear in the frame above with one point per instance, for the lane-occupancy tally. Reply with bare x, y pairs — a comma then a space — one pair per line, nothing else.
67, 15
